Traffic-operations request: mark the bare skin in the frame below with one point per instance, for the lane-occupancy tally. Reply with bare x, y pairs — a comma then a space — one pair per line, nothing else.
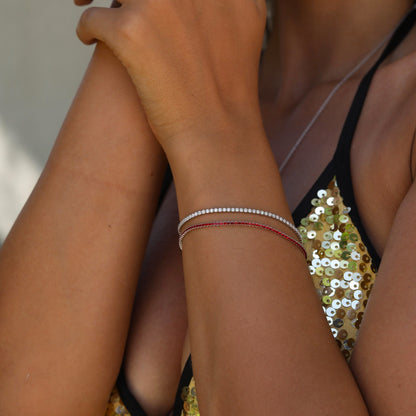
69, 267
377, 169
223, 342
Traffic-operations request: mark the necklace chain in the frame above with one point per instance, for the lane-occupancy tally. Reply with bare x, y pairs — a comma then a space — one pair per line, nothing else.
332, 93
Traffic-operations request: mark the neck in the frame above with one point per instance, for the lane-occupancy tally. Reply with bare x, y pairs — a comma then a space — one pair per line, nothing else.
320, 41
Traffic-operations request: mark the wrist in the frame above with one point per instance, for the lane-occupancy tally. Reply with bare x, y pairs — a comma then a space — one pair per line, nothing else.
232, 169
212, 133
212, 125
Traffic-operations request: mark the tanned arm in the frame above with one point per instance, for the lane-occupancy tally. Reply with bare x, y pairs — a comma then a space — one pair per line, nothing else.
69, 266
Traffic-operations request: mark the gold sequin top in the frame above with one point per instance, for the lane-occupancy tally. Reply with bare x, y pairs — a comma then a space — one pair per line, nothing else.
343, 273
341, 259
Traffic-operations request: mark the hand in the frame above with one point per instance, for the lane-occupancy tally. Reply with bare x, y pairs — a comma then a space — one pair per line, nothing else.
194, 62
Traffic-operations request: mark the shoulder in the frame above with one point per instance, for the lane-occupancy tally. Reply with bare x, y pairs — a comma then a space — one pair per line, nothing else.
401, 76
393, 97
383, 154
401, 66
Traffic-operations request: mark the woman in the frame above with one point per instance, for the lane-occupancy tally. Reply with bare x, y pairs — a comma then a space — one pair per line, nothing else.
259, 340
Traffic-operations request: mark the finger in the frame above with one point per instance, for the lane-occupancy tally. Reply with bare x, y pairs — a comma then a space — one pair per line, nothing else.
114, 4
96, 23
82, 2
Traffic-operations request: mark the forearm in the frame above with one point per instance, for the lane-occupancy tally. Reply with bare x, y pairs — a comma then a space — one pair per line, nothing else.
383, 360
257, 329
200, 94
69, 266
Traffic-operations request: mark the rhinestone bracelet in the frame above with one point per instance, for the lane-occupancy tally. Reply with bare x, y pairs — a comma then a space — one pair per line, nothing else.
240, 211
241, 223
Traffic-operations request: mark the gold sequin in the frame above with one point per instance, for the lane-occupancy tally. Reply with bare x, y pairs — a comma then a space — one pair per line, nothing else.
340, 265
343, 334
339, 293
115, 406
190, 405
341, 313
341, 270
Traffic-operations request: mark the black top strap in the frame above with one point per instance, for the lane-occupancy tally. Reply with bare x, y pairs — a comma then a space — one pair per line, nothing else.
127, 397
342, 158
354, 114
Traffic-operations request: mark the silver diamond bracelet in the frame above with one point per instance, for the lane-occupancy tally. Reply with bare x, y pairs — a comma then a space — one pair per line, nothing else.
241, 211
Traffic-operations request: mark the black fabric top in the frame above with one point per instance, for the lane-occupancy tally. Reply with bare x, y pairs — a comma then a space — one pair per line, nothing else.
134, 407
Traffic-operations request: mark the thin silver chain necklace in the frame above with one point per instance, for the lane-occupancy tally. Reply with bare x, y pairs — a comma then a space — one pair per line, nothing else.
333, 92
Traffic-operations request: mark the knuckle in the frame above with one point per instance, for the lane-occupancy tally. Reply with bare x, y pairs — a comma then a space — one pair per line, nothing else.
128, 28
79, 33
83, 27
85, 18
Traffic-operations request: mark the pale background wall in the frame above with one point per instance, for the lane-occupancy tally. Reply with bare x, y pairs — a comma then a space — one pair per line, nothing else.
41, 65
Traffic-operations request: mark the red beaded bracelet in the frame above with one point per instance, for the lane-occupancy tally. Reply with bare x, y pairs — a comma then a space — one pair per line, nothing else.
233, 210
243, 223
